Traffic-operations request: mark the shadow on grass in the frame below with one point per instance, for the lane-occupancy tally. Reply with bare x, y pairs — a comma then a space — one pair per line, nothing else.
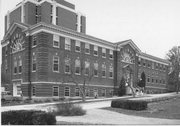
169, 109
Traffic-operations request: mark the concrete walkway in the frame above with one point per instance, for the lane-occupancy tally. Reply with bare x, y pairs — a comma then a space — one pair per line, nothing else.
99, 116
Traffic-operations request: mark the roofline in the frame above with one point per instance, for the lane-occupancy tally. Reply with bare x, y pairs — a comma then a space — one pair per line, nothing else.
61, 29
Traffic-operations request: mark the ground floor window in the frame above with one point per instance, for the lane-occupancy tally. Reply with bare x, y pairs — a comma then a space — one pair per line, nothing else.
103, 92
67, 91
55, 91
87, 92
77, 92
34, 91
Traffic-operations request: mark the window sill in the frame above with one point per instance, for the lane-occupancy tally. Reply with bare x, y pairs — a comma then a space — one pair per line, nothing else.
77, 74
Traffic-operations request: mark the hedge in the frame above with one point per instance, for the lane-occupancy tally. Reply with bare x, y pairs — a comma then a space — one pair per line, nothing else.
27, 117
129, 104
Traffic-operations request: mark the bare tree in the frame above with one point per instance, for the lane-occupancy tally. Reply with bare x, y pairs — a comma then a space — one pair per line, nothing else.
86, 78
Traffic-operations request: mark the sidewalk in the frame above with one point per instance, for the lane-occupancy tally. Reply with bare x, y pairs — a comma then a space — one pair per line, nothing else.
38, 106
104, 117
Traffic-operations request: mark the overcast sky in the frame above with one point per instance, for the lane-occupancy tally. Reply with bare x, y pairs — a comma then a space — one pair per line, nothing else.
153, 25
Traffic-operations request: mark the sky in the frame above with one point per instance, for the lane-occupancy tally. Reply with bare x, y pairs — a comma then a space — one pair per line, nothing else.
153, 25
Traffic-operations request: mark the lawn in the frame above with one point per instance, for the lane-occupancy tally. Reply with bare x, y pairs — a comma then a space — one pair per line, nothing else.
169, 109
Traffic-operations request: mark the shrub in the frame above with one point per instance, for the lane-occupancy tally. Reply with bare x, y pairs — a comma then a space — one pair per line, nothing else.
129, 104
69, 109
25, 117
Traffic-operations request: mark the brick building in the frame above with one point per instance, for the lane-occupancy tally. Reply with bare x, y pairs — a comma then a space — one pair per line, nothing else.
45, 50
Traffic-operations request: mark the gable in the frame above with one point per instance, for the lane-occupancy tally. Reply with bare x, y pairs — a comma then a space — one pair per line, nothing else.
15, 27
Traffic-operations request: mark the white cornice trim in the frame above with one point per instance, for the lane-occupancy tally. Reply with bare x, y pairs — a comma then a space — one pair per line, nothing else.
68, 34
155, 87
153, 60
60, 83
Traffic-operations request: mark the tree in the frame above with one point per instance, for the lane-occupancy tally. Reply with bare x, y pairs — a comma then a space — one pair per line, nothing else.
72, 77
122, 87
174, 57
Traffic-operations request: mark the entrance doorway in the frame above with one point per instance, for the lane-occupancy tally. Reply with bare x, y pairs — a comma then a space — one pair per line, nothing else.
17, 90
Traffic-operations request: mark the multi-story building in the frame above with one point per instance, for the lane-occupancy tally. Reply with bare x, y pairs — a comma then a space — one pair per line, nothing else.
46, 51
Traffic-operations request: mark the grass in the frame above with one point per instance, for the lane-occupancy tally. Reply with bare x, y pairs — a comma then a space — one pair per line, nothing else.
168, 109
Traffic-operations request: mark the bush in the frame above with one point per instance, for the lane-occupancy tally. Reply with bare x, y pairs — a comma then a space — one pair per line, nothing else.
69, 109
25, 117
129, 104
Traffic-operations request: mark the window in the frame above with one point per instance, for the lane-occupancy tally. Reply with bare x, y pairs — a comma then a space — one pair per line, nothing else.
67, 65
103, 70
56, 20
103, 92
51, 20
33, 91
87, 48
20, 65
95, 69
51, 9
96, 50
55, 91
103, 52
87, 92
56, 11
6, 66
6, 50
34, 42
110, 71
152, 65
77, 92
152, 80
156, 81
111, 54
56, 41
78, 46
55, 64
156, 65
34, 62
139, 61
67, 91
67, 44
15, 66
87, 68
144, 63
148, 79
77, 66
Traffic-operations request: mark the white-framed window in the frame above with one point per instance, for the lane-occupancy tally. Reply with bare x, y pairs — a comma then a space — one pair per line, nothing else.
87, 92
95, 50
104, 92
111, 71
139, 61
87, 48
78, 46
103, 52
20, 65
34, 91
34, 41
15, 66
67, 91
77, 91
55, 91
96, 69
6, 50
56, 41
67, 65
77, 66
34, 62
67, 44
87, 68
103, 70
152, 65
55, 64
110, 54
